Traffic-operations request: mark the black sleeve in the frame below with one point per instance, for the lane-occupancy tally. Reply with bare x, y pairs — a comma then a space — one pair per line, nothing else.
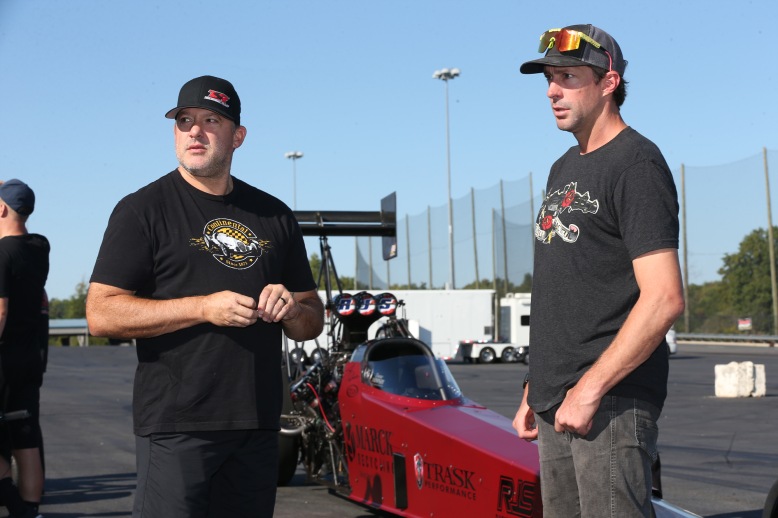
125, 259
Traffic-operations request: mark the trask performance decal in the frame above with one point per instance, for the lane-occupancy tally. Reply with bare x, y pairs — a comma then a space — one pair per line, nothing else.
445, 479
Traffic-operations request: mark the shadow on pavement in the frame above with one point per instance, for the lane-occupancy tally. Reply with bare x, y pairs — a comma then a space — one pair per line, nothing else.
99, 488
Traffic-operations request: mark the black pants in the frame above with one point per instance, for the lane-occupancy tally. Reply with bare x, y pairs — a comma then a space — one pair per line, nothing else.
207, 474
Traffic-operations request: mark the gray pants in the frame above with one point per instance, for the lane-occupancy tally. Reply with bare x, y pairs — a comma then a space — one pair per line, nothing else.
206, 474
608, 472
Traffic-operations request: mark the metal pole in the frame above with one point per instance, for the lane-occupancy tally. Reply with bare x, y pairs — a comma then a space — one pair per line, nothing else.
293, 156
388, 275
475, 239
356, 262
429, 243
294, 183
532, 214
445, 75
451, 280
504, 236
494, 251
408, 248
771, 244
686, 311
496, 330
370, 262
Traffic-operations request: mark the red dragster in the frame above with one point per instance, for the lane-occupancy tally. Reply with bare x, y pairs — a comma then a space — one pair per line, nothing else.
385, 424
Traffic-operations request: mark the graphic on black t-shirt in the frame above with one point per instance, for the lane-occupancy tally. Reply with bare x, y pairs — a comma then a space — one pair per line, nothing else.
560, 202
231, 243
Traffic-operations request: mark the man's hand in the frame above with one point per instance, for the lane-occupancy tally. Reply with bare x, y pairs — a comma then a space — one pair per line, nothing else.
276, 303
229, 309
576, 412
524, 422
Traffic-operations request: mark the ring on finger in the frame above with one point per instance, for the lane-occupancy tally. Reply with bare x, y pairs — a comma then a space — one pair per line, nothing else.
283, 300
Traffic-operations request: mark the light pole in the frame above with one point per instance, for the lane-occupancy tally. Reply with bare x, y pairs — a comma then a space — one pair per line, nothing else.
293, 156
444, 75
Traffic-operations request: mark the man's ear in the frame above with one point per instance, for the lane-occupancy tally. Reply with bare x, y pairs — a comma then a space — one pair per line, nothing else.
610, 81
238, 137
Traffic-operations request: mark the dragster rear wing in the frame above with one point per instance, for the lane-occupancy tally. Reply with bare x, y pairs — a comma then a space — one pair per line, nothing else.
355, 223
349, 223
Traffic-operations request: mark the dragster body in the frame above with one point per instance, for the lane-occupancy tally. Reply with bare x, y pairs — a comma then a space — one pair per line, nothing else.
422, 449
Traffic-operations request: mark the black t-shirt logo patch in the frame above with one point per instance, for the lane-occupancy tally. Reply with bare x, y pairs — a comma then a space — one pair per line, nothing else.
232, 243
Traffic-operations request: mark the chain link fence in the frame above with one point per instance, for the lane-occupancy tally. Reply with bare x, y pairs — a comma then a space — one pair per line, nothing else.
493, 229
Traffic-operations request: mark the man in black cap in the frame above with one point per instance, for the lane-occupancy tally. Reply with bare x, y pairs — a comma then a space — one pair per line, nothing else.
606, 288
24, 268
206, 272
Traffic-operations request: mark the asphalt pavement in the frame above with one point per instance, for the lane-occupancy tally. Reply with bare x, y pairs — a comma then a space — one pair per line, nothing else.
719, 456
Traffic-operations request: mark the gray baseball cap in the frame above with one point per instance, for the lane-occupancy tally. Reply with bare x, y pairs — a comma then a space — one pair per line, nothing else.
593, 47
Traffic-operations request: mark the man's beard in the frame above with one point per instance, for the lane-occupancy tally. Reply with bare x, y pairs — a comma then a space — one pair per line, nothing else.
216, 167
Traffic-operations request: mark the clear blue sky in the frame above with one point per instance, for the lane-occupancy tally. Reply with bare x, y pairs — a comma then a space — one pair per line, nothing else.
349, 83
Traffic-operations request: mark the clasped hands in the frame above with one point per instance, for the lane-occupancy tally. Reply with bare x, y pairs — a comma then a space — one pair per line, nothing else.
231, 309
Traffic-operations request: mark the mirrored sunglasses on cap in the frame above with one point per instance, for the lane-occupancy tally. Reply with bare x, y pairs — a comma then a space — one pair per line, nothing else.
565, 40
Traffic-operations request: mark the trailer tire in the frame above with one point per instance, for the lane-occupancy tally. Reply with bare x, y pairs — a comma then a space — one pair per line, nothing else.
507, 355
487, 355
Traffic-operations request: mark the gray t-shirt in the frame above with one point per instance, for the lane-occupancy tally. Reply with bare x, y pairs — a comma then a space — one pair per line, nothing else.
602, 210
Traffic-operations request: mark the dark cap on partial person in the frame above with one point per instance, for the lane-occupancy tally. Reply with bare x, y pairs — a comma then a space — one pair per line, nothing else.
608, 56
18, 195
210, 93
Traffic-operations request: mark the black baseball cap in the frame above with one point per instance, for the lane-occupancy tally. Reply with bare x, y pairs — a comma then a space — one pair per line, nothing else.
211, 93
608, 56
18, 195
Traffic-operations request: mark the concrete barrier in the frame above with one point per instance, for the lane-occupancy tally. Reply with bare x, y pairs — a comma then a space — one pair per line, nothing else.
743, 379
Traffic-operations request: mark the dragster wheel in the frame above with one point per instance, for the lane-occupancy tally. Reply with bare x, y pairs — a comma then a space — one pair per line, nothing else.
771, 503
288, 450
487, 355
507, 355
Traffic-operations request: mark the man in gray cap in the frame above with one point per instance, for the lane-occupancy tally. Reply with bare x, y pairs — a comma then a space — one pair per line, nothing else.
606, 288
24, 268
206, 272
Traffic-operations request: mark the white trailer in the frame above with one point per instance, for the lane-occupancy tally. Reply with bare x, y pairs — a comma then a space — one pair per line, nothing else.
514, 318
447, 317
439, 318
512, 341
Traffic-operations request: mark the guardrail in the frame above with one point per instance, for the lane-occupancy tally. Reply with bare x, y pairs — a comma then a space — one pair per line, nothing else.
769, 340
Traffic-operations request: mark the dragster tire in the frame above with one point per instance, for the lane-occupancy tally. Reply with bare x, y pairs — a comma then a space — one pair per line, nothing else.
288, 450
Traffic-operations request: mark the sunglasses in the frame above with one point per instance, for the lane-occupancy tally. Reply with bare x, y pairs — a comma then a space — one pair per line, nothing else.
566, 40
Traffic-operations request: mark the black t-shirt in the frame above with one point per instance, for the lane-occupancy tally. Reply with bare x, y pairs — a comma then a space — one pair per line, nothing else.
602, 210
170, 240
24, 268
